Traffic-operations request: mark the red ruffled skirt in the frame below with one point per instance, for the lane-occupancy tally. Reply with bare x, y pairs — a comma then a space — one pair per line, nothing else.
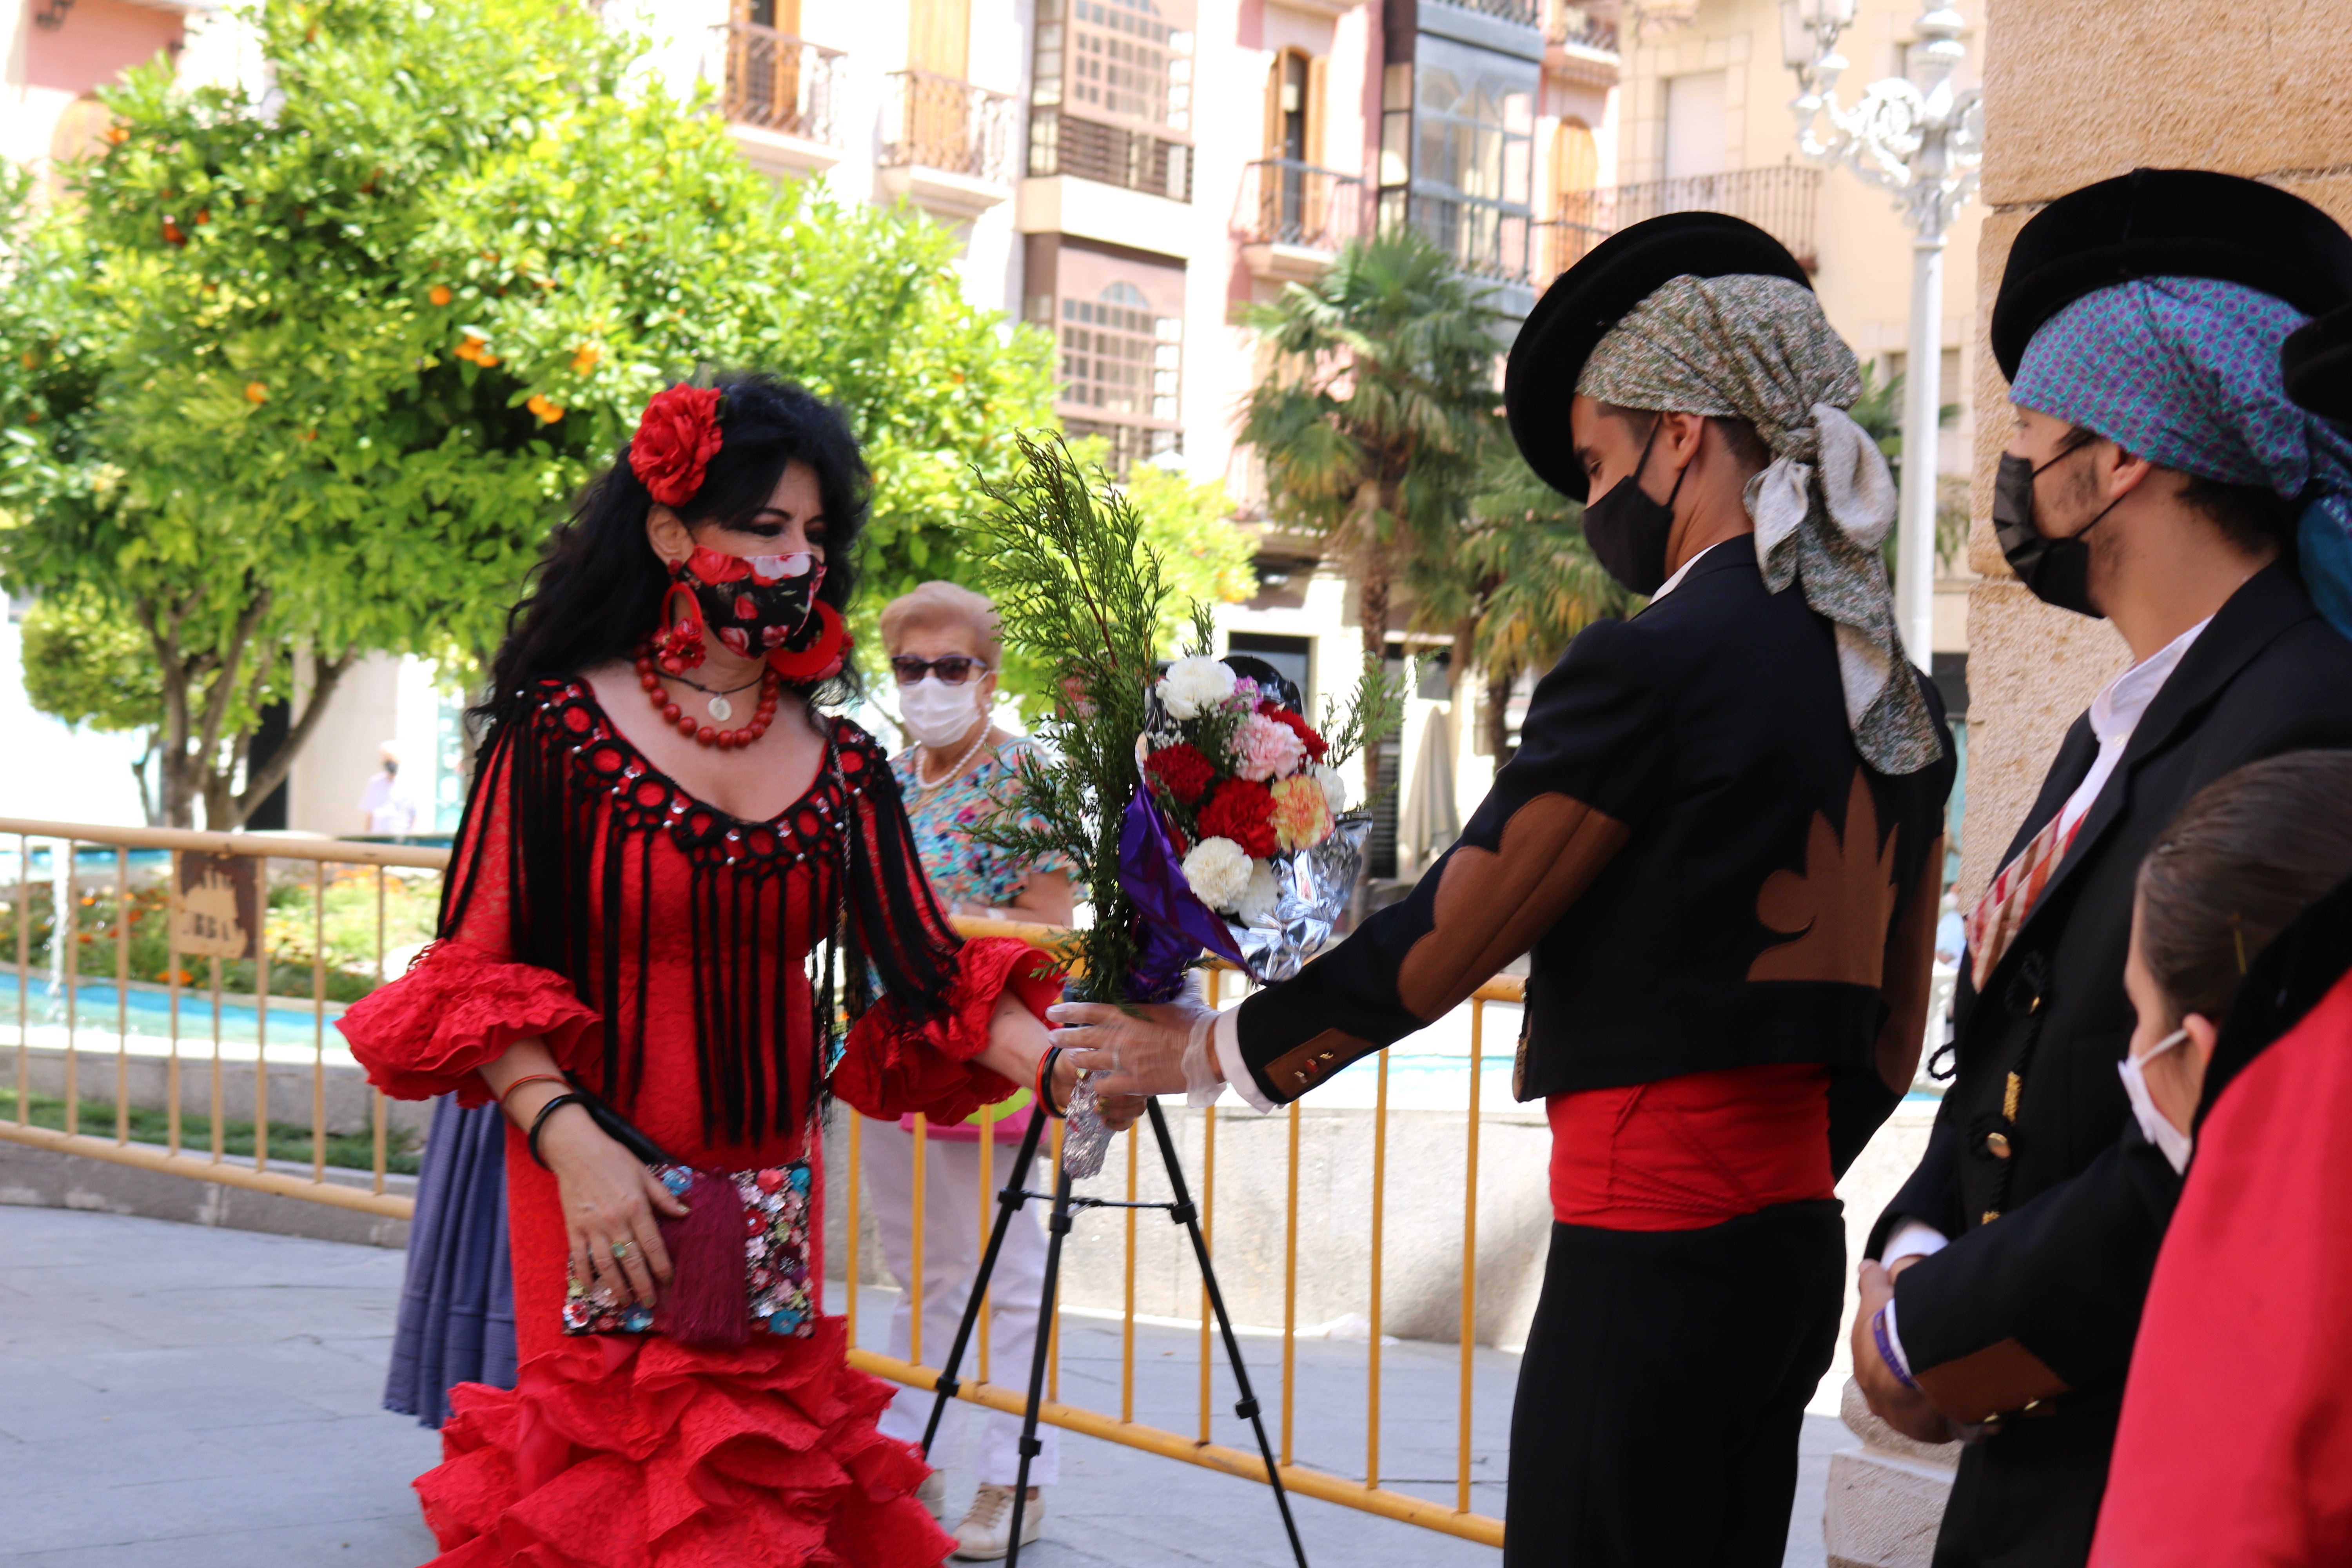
619, 1452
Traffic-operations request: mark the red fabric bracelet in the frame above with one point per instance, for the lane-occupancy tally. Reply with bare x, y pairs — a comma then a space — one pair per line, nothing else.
532, 1077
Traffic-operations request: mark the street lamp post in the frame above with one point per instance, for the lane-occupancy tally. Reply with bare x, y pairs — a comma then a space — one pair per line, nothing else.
1919, 136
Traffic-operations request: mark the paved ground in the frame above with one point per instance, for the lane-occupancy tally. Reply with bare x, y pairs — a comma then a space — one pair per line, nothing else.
182, 1395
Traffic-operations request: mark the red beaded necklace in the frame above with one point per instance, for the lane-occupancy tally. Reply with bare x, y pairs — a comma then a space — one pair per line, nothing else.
770, 683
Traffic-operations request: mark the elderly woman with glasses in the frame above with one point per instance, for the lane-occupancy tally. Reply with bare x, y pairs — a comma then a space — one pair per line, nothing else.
960, 770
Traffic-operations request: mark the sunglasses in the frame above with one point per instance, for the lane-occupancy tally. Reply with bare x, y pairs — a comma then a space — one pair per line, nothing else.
952, 670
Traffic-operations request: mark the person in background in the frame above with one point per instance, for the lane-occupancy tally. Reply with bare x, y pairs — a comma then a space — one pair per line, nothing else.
389, 802
944, 650
2160, 479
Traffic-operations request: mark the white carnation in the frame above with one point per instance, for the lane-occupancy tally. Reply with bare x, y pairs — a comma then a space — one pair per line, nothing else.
1258, 899
1193, 684
1335, 788
1219, 871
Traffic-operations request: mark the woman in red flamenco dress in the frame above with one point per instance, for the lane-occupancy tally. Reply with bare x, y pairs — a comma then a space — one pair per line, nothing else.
668, 855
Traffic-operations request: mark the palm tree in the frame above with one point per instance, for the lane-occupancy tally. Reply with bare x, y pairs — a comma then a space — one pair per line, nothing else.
1519, 587
1370, 423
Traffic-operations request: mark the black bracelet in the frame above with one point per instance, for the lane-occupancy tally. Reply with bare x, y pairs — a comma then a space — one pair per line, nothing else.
570, 1097
1045, 1081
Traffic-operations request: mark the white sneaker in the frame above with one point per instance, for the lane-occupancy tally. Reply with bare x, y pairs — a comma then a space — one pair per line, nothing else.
986, 1533
933, 1493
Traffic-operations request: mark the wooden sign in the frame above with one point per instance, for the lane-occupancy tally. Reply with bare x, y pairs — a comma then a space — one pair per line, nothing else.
219, 911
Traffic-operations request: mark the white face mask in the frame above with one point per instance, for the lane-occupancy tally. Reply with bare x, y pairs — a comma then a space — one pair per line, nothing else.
2154, 1125
937, 714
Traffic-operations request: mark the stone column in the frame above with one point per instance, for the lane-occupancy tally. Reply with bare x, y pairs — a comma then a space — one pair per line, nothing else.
2075, 93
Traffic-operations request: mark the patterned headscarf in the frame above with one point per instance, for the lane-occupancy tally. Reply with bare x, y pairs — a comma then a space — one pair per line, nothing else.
1760, 349
2185, 372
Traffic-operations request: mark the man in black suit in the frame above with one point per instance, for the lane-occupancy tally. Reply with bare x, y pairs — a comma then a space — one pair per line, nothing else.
2157, 476
1721, 838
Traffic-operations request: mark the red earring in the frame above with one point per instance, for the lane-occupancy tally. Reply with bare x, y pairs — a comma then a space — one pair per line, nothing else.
678, 643
821, 660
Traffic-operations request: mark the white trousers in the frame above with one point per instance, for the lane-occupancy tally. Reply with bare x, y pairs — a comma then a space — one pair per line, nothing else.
951, 1249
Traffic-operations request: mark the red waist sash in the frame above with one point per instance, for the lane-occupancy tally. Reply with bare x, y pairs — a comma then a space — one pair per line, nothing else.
1692, 1151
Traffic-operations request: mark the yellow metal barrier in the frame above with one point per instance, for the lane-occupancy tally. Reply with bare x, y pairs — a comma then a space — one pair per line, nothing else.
366, 1191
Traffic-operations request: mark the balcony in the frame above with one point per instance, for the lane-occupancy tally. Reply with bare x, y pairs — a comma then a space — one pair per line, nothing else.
1520, 13
1779, 200
1580, 45
948, 146
1062, 144
779, 95
1292, 219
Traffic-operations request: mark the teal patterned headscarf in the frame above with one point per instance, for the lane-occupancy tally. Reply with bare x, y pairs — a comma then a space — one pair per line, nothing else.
1758, 349
2185, 372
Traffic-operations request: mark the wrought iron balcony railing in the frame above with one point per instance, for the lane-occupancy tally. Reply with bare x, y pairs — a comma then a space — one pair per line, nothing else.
1780, 201
779, 82
1287, 202
1484, 241
938, 123
1577, 24
1062, 144
1523, 12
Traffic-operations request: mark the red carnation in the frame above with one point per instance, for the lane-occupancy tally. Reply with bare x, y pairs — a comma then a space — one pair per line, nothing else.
1243, 811
1315, 745
676, 440
1181, 770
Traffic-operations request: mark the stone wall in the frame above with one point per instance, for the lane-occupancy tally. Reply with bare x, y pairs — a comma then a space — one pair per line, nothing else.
2074, 94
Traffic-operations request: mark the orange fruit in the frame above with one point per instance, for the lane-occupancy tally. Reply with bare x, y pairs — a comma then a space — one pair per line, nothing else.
585, 358
439, 294
255, 392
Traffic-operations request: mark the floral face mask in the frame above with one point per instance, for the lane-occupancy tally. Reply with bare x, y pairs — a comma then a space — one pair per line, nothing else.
752, 603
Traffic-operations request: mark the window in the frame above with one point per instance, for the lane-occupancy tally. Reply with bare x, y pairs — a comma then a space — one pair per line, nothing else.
1124, 61
1471, 151
1118, 330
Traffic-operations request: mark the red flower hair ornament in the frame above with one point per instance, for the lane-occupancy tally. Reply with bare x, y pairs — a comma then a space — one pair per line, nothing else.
677, 436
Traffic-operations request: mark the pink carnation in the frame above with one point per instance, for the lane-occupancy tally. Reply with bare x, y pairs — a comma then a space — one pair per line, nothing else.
1264, 749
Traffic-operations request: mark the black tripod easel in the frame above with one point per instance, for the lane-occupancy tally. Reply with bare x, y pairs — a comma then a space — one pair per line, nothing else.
1016, 1195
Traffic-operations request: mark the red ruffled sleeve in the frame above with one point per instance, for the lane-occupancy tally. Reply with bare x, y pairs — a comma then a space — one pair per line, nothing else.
455, 1012
889, 1067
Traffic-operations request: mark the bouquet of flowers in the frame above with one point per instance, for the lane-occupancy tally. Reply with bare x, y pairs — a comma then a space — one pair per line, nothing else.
1250, 801
1139, 756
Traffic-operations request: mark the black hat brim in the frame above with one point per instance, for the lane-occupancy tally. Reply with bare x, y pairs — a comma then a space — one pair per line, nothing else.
2318, 363
1560, 334
2157, 223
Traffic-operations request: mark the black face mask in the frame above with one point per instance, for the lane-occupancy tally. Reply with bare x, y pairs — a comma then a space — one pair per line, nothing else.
2055, 571
1628, 530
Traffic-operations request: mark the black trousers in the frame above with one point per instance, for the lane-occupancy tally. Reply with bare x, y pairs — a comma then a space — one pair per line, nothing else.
2028, 1496
1664, 1388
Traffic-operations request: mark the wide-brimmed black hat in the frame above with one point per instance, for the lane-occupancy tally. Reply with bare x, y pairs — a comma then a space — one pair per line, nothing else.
2157, 223
1594, 295
2317, 360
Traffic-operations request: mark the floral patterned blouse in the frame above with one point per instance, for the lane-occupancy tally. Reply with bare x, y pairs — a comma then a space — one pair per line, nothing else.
963, 870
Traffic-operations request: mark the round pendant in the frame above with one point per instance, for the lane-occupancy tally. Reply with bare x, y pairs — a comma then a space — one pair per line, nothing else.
721, 710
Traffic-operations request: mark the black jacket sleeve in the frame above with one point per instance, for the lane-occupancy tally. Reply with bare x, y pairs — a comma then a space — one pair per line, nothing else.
1932, 1193
1591, 748
2047, 1300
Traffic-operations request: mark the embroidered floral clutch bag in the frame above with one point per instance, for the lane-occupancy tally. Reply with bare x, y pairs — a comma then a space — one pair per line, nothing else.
775, 1231
738, 1257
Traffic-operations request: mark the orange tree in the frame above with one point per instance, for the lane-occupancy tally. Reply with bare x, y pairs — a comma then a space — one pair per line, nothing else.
311, 371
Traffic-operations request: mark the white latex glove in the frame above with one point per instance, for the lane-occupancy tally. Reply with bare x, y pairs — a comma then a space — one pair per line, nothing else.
1161, 1048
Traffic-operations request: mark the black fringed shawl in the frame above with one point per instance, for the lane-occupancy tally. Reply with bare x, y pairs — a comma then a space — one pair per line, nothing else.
576, 807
